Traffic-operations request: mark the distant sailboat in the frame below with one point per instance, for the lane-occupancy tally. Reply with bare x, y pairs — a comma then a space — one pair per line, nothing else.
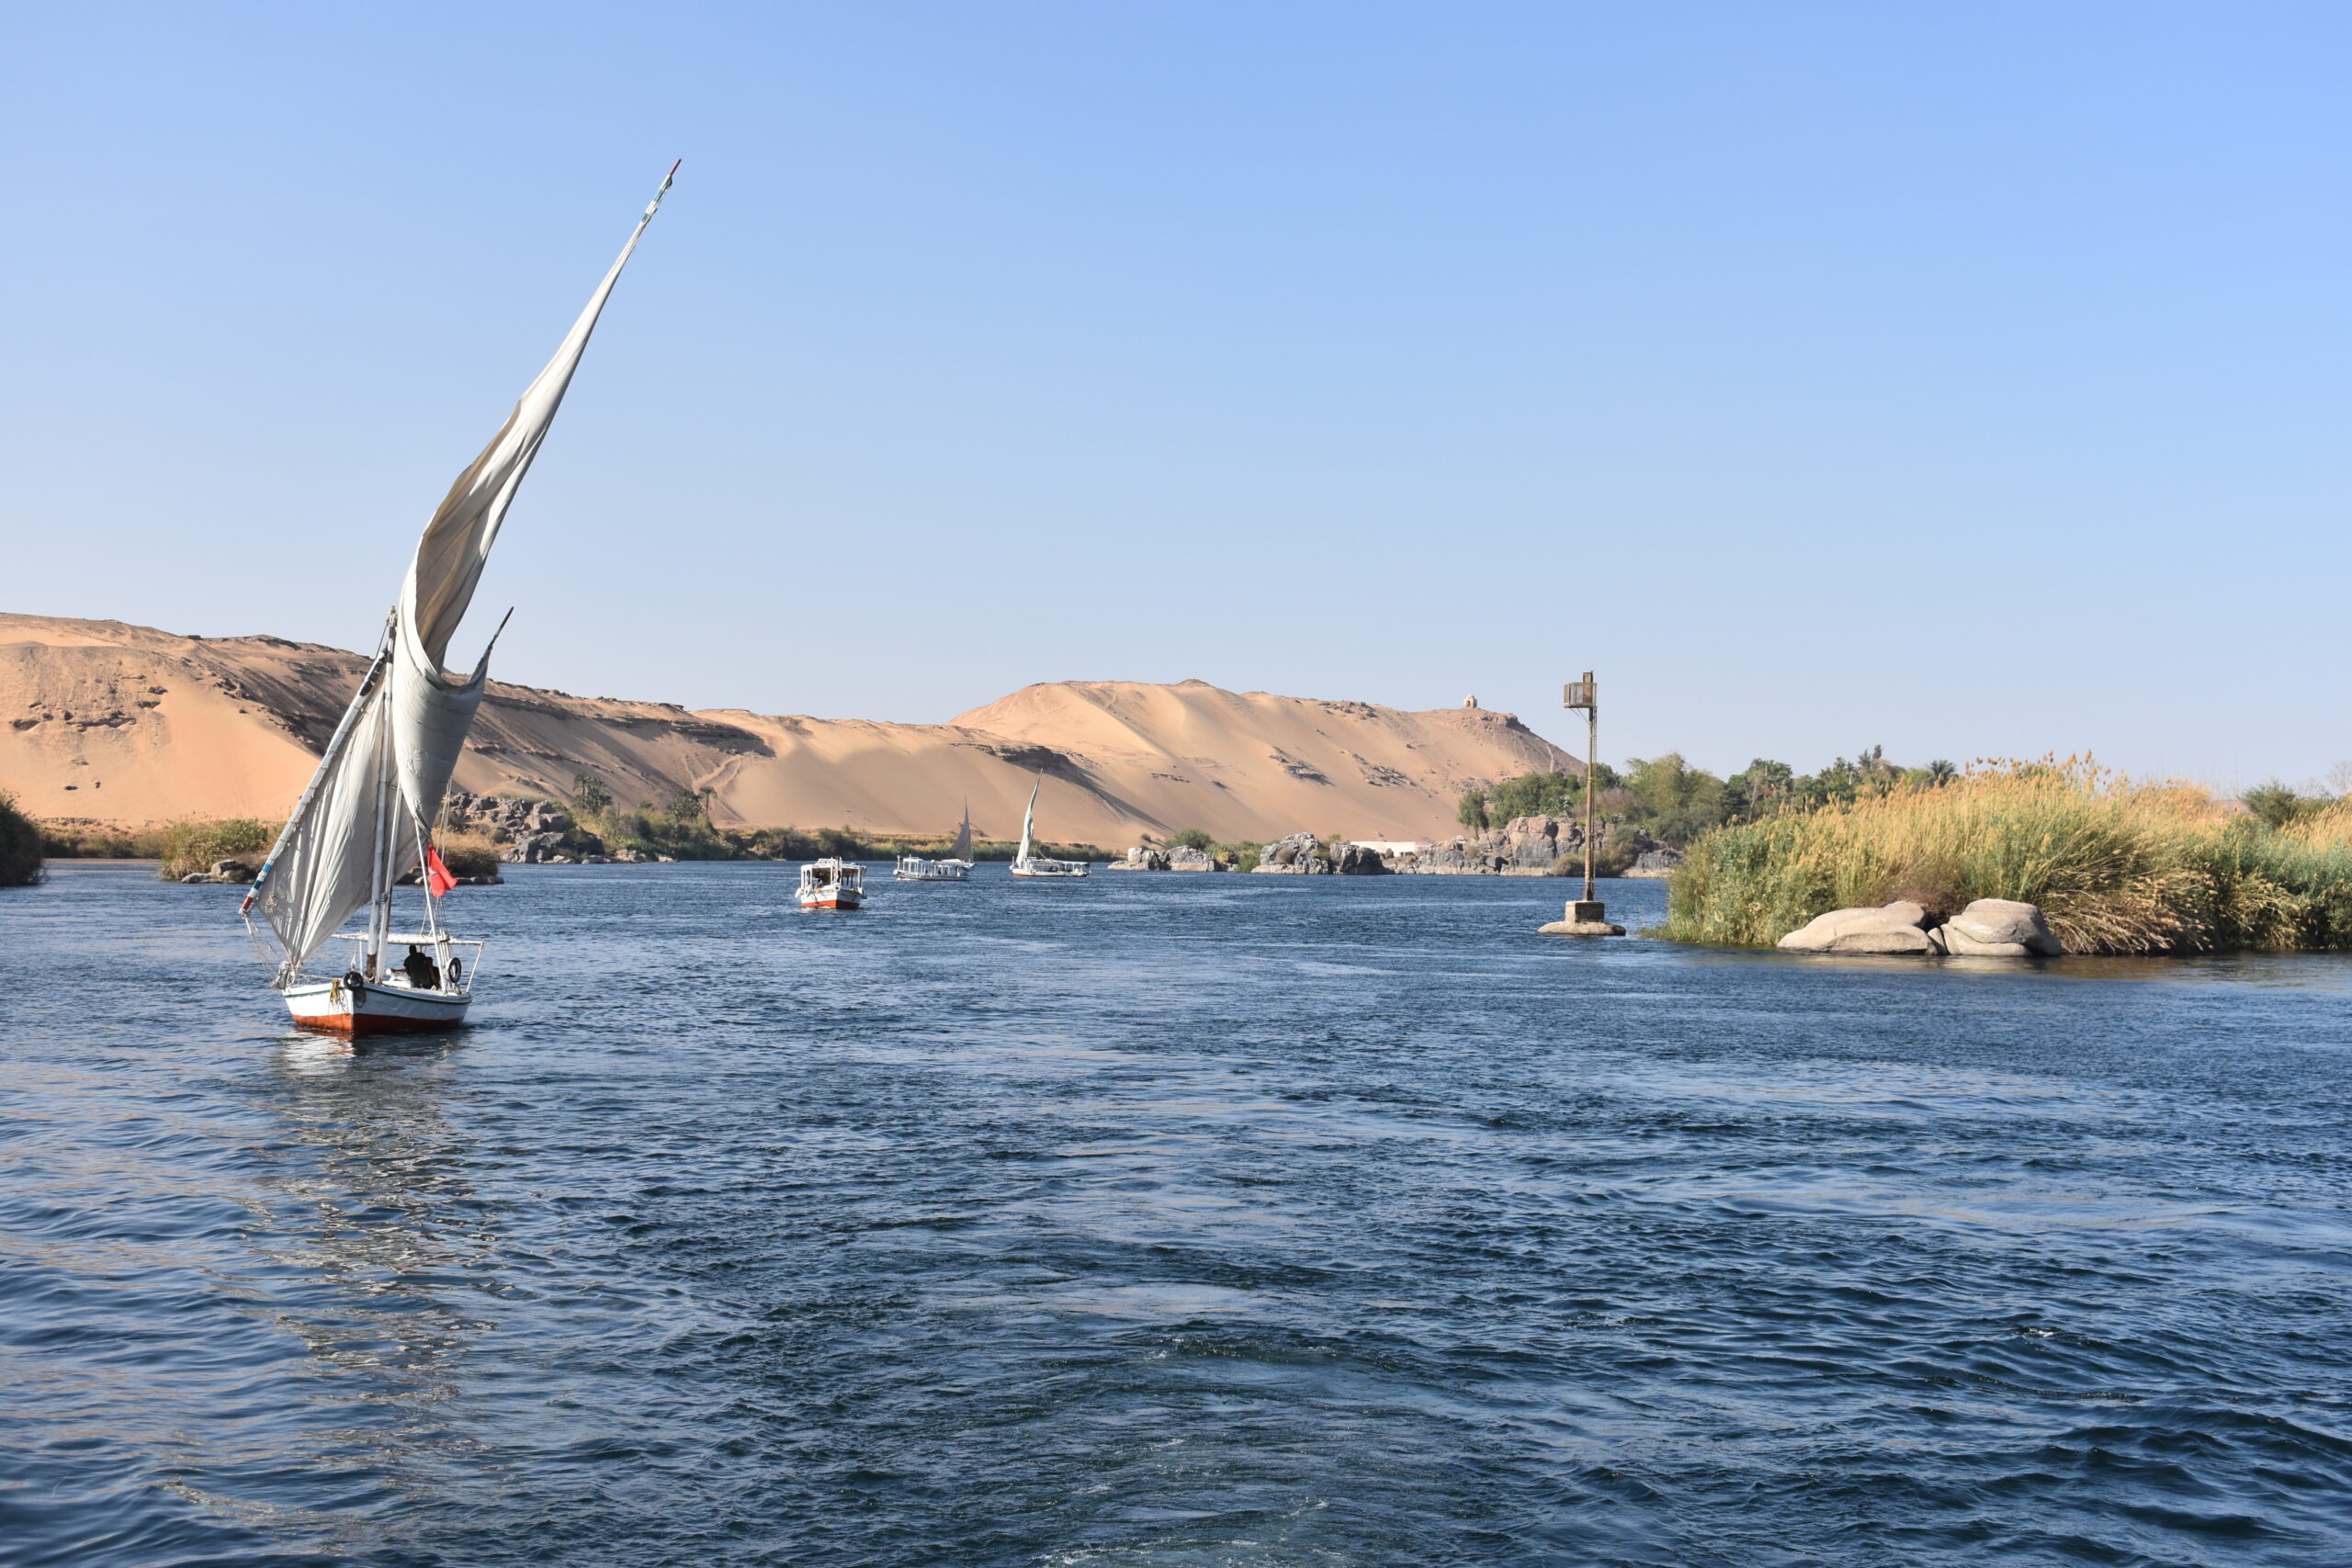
956, 867
1026, 864
365, 818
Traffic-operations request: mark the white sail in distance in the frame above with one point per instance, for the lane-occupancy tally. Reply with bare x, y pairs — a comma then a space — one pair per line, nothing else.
402, 735
1028, 821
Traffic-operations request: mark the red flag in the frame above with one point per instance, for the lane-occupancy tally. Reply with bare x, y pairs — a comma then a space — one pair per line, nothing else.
437, 879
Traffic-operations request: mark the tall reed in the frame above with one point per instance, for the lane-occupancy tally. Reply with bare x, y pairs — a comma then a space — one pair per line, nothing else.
2117, 866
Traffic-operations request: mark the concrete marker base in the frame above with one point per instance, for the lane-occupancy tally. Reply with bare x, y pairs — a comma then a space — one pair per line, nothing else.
1585, 917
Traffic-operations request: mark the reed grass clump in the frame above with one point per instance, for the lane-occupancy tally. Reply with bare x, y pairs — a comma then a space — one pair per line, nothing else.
2117, 866
467, 852
20, 846
194, 844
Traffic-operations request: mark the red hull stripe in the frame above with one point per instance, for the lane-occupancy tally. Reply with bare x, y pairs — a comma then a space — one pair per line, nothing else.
374, 1024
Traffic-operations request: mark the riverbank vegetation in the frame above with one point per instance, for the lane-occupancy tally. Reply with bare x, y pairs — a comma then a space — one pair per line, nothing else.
467, 853
1676, 802
20, 846
195, 844
84, 840
2116, 865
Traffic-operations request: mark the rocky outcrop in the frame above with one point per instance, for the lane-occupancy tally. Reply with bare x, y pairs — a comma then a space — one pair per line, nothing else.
1999, 928
1896, 927
1525, 846
222, 870
1300, 854
1179, 857
505, 817
533, 832
570, 847
1989, 928
1304, 854
1660, 861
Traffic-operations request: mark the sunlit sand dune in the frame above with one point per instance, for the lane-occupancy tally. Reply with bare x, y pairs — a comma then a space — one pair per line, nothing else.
125, 725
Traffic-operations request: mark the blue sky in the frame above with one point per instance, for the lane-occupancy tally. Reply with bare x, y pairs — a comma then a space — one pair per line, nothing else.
1972, 380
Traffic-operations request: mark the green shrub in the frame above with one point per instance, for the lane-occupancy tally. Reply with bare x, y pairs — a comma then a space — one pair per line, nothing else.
1619, 848
1472, 811
1237, 857
20, 846
1190, 839
2115, 866
589, 796
2276, 804
193, 844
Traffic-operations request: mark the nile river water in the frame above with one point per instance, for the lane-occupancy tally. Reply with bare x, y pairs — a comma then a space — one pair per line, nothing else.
1161, 1220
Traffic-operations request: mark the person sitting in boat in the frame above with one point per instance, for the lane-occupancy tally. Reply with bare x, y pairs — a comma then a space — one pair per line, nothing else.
422, 972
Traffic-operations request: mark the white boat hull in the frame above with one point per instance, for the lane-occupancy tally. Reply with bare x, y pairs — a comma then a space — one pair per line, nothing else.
376, 1007
1048, 868
912, 869
831, 884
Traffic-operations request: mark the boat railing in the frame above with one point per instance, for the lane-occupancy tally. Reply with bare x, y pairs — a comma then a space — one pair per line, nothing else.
441, 944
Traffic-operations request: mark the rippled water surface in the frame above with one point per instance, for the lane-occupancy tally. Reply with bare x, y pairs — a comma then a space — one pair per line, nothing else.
1162, 1220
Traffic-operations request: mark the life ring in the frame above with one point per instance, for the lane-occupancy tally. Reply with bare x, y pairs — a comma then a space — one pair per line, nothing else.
355, 986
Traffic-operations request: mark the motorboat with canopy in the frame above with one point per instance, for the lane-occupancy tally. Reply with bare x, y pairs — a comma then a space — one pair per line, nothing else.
365, 820
831, 884
1024, 864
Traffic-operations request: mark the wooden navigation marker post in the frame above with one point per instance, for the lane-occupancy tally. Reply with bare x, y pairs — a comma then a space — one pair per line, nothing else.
1587, 915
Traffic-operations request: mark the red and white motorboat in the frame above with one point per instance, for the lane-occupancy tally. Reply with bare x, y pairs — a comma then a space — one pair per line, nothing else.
833, 885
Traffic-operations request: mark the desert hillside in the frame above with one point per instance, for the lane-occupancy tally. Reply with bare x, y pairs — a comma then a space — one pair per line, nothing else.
125, 725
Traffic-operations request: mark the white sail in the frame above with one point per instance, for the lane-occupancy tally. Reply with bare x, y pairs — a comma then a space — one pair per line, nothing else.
431, 716
432, 707
1028, 821
450, 556
330, 862
381, 780
963, 850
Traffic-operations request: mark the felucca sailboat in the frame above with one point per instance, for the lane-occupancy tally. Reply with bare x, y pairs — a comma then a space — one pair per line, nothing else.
365, 818
956, 867
1026, 864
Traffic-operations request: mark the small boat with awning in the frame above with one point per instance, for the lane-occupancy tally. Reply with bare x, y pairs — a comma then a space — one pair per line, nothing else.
1026, 864
833, 885
956, 867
